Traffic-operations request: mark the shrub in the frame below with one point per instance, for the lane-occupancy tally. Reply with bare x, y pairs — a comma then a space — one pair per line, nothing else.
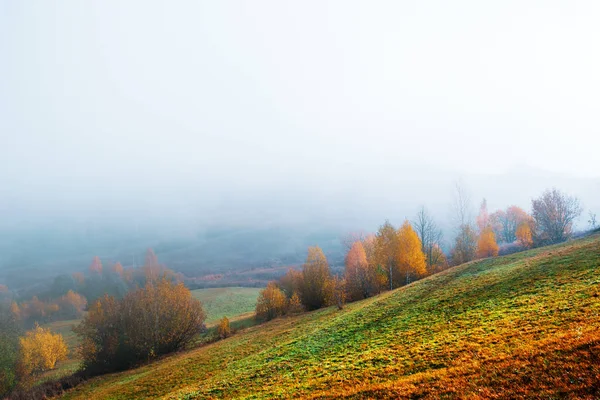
160, 318
224, 329
295, 305
40, 350
271, 303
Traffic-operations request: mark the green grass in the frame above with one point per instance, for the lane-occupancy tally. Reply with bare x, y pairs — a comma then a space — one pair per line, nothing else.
230, 302
521, 326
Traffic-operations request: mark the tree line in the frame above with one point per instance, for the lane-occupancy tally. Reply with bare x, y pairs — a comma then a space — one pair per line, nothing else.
395, 257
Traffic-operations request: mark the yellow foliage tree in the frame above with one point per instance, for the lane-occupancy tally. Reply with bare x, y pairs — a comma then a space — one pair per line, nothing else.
524, 236
295, 305
385, 253
410, 259
15, 310
271, 303
41, 350
224, 329
486, 245
316, 275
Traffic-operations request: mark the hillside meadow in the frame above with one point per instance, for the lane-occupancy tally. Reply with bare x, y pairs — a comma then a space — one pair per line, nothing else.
520, 326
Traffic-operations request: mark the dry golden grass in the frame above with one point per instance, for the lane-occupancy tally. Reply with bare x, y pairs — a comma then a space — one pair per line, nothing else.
521, 326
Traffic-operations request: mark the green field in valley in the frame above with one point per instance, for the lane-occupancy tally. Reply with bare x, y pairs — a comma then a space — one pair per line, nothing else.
230, 302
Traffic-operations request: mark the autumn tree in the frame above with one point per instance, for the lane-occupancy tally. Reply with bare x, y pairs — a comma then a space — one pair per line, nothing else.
72, 305
465, 245
291, 283
431, 237
160, 318
40, 350
224, 330
441, 262
524, 236
410, 257
554, 213
295, 305
117, 269
315, 276
361, 278
505, 223
151, 266
486, 244
96, 266
483, 218
79, 278
335, 290
385, 252
271, 303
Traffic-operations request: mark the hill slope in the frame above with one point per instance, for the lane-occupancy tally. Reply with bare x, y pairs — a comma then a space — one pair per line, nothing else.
525, 325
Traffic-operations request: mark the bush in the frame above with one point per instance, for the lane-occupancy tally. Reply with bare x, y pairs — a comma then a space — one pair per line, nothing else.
40, 351
271, 303
224, 329
160, 318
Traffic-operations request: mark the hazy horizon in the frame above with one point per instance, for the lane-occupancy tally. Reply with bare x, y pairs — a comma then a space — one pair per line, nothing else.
180, 117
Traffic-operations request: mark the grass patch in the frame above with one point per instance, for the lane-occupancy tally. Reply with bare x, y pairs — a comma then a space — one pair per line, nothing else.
226, 302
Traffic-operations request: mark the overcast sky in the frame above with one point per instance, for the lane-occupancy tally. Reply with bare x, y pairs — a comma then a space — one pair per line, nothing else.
113, 96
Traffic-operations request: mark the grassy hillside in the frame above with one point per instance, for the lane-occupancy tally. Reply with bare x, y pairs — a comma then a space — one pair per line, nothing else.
525, 325
229, 301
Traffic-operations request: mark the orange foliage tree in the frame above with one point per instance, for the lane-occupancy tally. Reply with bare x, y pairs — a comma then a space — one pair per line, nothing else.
96, 266
361, 277
72, 304
505, 223
524, 236
117, 268
271, 303
486, 245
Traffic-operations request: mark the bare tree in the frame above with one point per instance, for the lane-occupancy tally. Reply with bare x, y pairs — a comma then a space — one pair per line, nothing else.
461, 206
554, 213
430, 236
466, 239
592, 221
349, 239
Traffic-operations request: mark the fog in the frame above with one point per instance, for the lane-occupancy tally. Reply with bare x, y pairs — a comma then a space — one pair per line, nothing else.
155, 121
